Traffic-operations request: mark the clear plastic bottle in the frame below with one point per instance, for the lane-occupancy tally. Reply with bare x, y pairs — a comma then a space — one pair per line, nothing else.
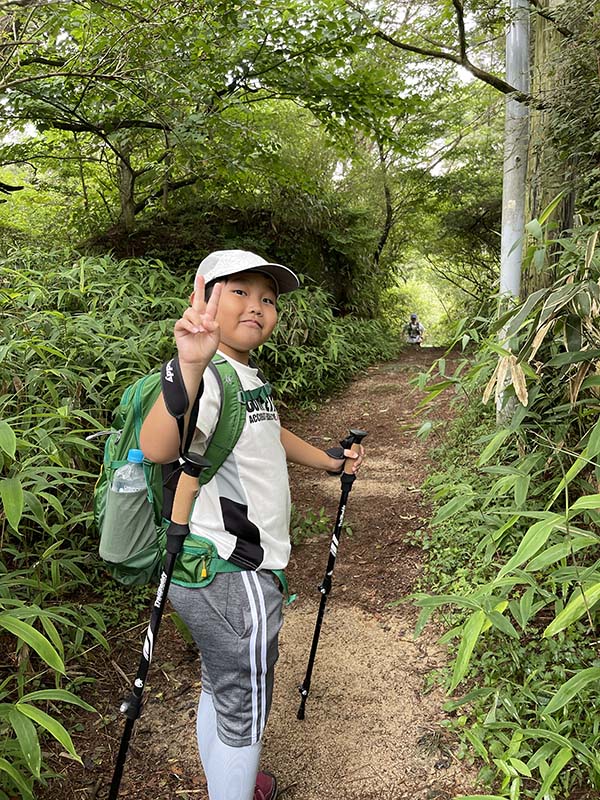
130, 477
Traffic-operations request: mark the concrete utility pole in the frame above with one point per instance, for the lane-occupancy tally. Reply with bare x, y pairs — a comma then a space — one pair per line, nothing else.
515, 150
516, 144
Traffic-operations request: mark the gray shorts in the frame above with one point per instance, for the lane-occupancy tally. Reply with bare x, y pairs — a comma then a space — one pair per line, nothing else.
235, 622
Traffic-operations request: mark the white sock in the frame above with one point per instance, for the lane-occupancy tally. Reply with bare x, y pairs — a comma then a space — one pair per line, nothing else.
230, 771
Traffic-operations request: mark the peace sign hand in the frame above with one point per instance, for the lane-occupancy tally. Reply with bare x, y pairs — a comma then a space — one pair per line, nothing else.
197, 333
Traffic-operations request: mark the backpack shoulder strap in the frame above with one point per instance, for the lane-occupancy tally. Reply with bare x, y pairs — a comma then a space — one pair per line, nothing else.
232, 416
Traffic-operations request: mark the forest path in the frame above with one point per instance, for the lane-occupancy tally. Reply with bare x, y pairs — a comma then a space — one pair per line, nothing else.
372, 728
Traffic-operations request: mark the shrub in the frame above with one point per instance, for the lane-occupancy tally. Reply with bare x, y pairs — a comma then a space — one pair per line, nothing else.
515, 543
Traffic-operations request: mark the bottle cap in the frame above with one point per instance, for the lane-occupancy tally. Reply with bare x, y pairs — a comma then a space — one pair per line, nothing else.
135, 456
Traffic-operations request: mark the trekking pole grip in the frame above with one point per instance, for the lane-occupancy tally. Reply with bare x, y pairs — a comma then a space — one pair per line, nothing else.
187, 487
352, 442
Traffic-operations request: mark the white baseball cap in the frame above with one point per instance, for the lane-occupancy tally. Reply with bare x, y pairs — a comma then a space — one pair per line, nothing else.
222, 263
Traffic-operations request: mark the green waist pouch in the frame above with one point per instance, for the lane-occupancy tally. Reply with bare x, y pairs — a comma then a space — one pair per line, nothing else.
199, 562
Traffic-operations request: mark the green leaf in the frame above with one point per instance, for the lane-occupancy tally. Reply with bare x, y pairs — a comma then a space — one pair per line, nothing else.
500, 622
520, 766
17, 778
585, 502
560, 760
477, 744
53, 634
521, 489
573, 358
53, 726
470, 635
32, 502
515, 786
8, 440
593, 445
519, 318
536, 537
493, 446
539, 259
57, 694
580, 602
11, 494
572, 687
35, 640
535, 229
573, 334
547, 212
28, 740
480, 797
50, 550
425, 430
423, 619
560, 551
574, 470
452, 507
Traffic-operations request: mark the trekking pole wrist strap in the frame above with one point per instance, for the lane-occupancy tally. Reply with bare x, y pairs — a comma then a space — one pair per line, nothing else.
177, 401
336, 452
173, 388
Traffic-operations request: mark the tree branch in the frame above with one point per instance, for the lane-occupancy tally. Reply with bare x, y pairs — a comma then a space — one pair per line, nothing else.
542, 11
170, 186
50, 62
461, 59
487, 77
460, 24
5, 188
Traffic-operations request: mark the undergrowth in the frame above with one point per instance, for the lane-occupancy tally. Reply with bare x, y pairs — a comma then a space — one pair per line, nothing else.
514, 546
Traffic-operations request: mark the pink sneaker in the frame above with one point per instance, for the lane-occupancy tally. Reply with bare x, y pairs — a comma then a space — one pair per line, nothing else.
266, 786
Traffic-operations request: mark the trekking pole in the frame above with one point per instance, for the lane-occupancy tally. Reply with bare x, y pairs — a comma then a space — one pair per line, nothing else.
185, 494
352, 441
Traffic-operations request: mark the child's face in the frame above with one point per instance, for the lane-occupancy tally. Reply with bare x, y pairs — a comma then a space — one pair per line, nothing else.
247, 313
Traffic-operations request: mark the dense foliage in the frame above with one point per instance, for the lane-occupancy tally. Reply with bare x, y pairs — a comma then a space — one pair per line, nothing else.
515, 545
166, 129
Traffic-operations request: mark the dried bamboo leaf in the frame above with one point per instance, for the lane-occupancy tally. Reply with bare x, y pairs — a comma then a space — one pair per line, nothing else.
596, 389
591, 246
490, 386
518, 380
539, 338
575, 383
503, 366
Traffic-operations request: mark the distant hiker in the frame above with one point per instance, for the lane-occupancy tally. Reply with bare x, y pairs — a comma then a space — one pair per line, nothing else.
243, 511
414, 331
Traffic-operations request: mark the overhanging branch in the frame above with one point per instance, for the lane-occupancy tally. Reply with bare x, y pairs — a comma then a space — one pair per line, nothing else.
487, 77
544, 12
171, 186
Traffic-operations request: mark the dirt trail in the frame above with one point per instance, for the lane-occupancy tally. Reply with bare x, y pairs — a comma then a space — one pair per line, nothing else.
371, 731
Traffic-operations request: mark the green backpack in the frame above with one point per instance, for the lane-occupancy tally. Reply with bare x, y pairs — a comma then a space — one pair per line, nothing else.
132, 526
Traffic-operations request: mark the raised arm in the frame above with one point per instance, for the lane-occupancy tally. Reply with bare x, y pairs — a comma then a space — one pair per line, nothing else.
197, 338
300, 452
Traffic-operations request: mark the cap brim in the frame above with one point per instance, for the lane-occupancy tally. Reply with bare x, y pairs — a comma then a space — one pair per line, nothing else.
285, 279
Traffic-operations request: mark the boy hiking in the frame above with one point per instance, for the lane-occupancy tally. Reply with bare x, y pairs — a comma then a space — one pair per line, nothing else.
243, 510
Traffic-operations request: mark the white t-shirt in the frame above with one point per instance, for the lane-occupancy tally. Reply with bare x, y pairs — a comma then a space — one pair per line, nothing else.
245, 508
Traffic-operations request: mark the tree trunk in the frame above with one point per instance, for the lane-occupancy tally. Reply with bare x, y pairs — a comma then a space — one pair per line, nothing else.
389, 212
548, 172
126, 192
